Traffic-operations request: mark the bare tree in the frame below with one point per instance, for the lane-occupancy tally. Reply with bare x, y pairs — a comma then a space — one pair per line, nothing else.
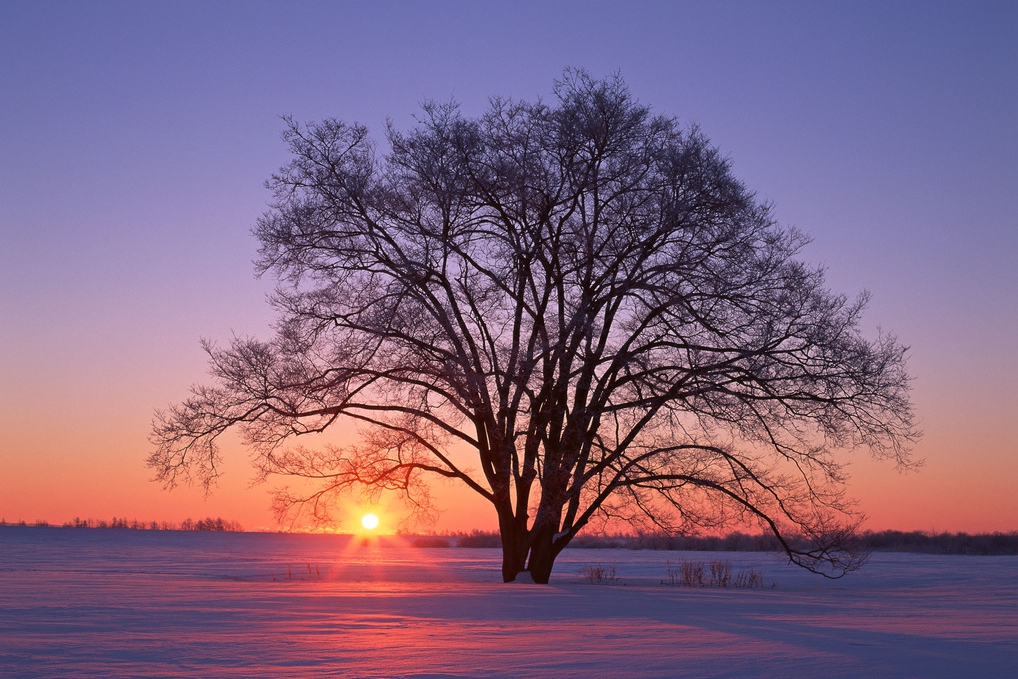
580, 293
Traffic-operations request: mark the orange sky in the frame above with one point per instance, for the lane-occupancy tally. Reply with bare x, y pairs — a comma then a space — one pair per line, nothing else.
90, 465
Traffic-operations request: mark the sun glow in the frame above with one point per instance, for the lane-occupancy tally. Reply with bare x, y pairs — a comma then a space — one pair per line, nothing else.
369, 521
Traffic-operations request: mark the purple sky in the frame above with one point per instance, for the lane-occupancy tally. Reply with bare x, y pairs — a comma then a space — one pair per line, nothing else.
136, 138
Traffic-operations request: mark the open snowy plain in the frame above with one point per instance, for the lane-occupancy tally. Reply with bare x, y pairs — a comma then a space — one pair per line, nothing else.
118, 603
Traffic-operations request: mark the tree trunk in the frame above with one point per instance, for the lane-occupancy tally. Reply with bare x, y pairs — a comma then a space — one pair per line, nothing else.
514, 546
543, 551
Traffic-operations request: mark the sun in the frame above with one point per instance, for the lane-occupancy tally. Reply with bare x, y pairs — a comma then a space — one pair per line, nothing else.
369, 521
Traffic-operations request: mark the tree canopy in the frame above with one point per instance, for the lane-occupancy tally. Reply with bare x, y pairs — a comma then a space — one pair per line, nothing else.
583, 295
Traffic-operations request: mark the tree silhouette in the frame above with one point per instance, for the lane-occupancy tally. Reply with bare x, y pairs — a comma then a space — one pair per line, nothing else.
581, 294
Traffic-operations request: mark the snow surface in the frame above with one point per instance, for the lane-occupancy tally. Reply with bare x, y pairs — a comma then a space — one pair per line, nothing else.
102, 603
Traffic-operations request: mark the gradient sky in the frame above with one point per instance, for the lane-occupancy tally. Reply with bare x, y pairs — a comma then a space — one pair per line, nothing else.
135, 139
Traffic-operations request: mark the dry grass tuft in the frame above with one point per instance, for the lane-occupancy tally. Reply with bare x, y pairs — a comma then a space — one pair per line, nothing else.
718, 573
599, 575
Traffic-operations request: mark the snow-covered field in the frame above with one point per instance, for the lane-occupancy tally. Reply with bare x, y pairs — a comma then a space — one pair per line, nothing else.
117, 603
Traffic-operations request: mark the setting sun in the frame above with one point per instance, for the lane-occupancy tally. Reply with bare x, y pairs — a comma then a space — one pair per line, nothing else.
369, 521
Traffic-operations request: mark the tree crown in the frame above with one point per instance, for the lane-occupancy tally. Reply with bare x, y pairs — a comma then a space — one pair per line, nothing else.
582, 294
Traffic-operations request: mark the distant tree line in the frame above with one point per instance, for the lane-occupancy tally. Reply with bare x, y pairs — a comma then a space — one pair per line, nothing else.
216, 525
919, 542
991, 544
988, 544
